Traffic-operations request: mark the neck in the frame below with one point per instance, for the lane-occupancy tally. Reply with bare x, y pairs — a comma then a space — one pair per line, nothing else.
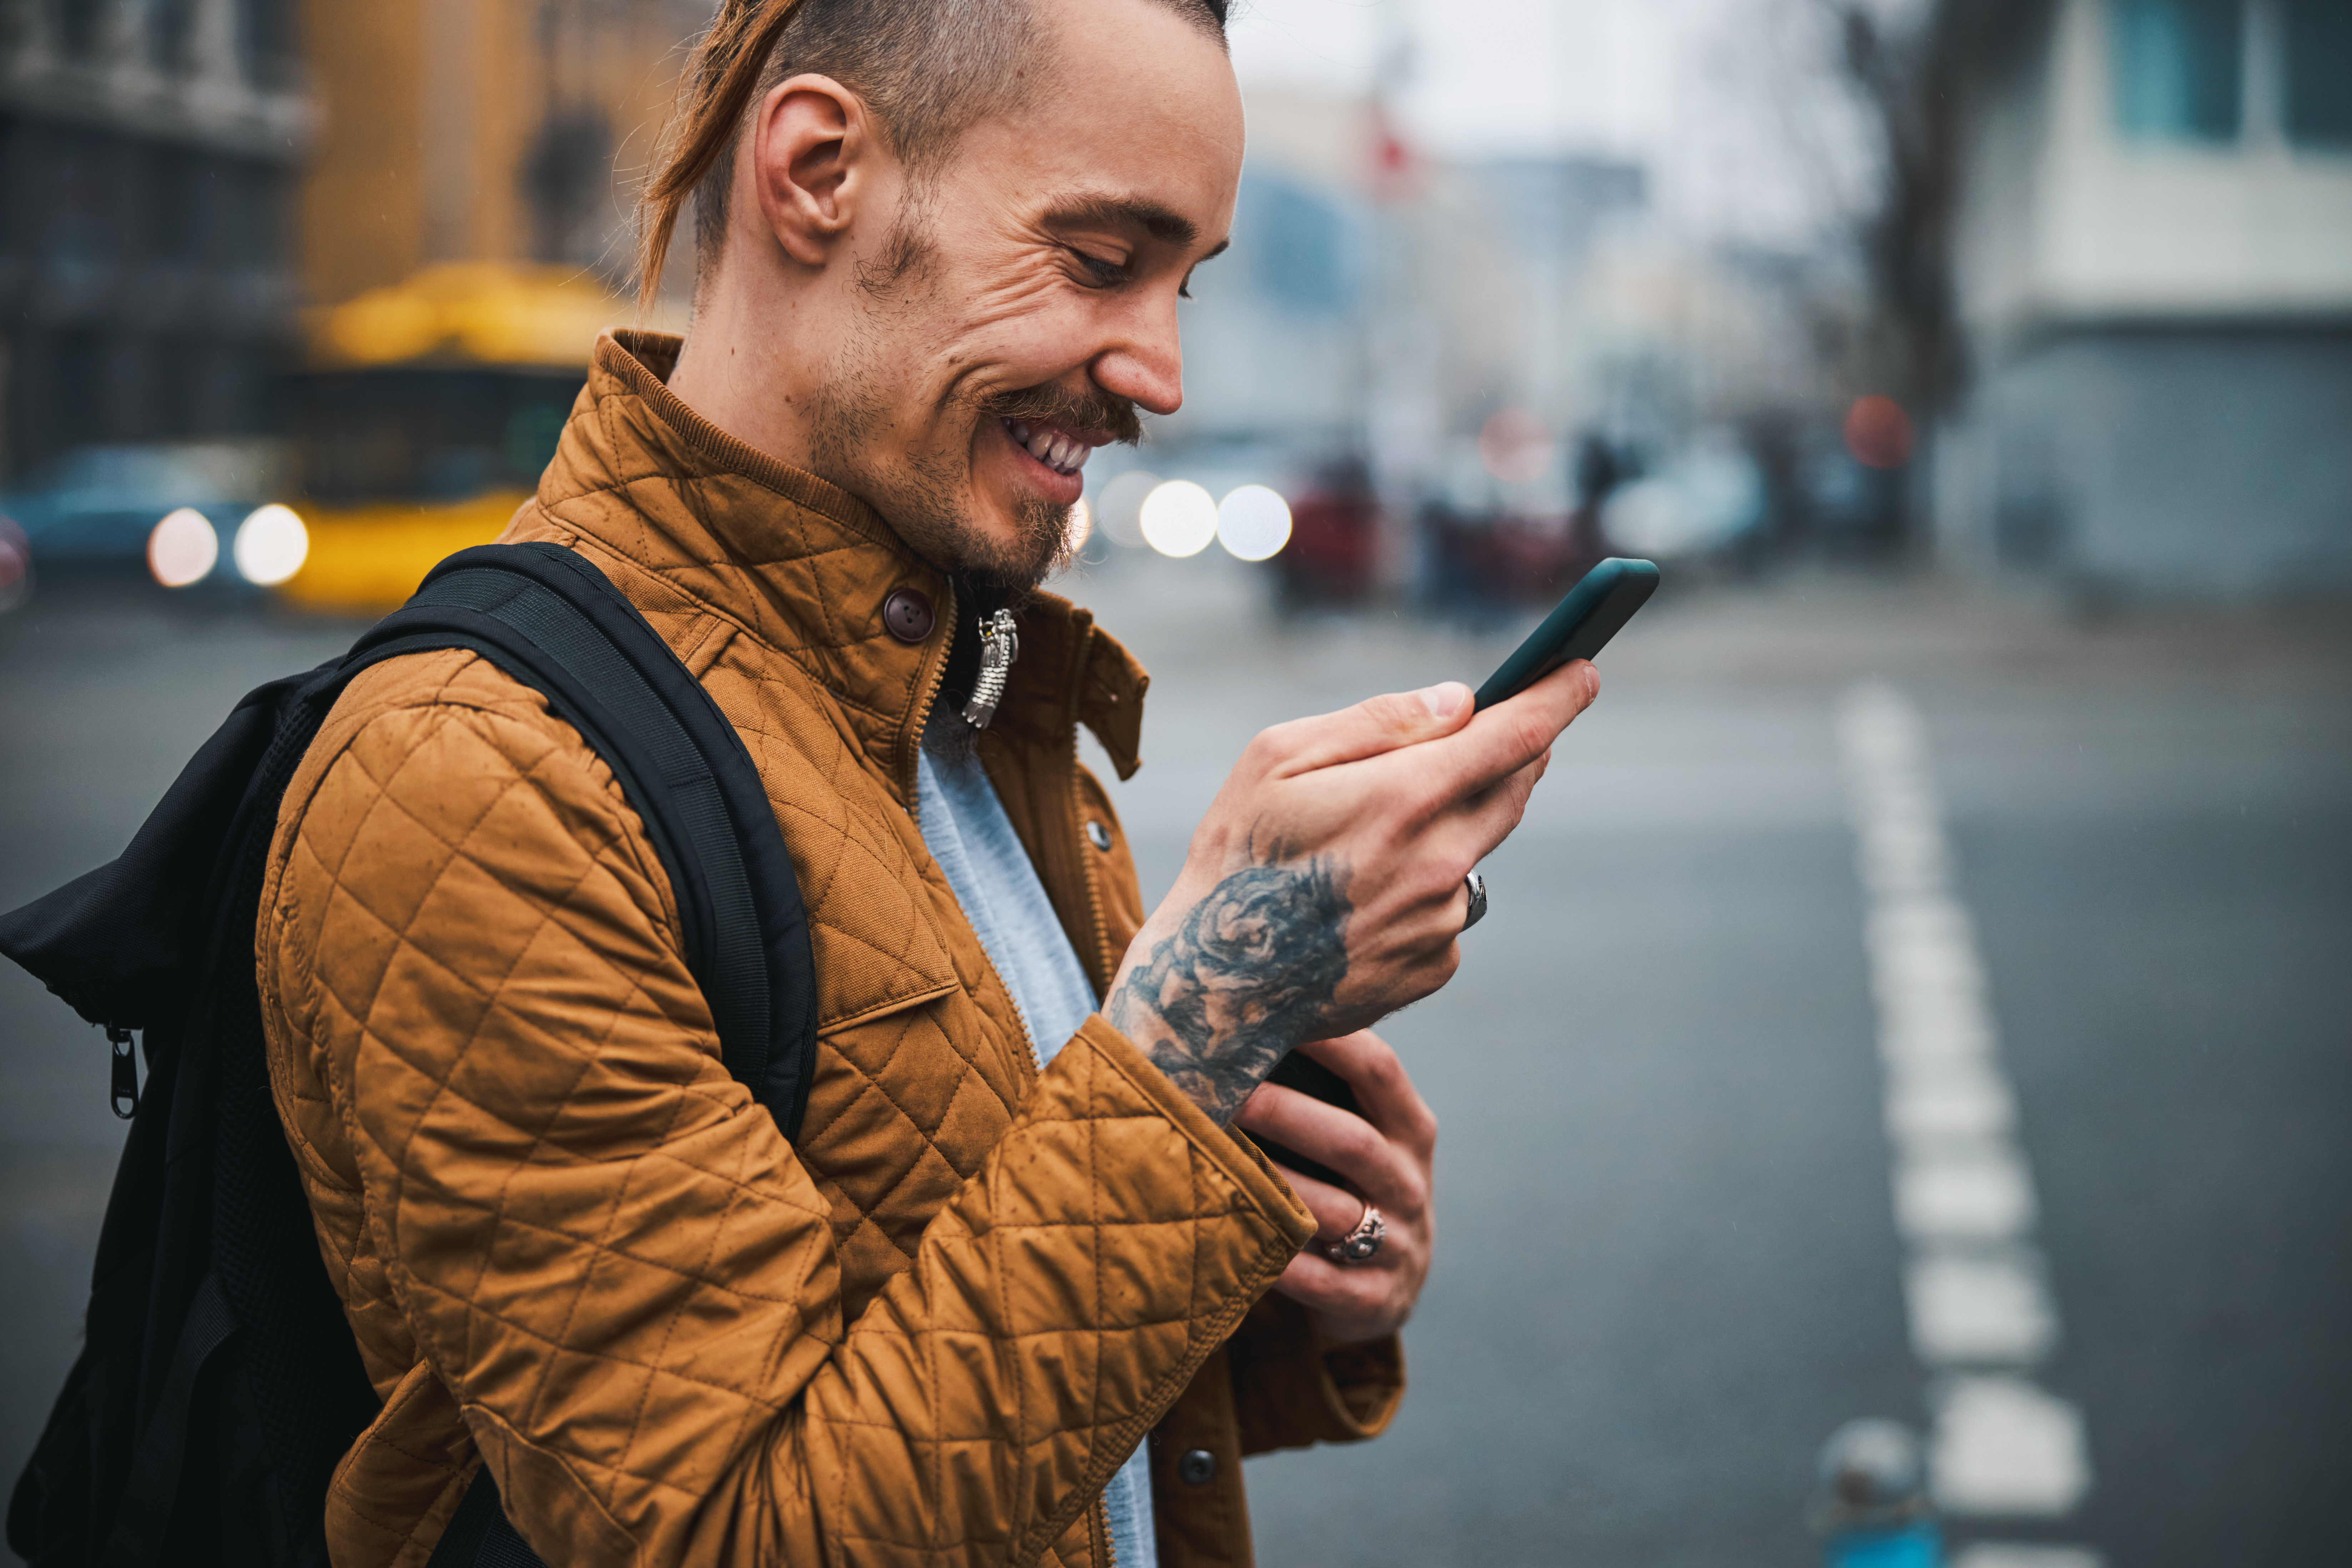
743, 374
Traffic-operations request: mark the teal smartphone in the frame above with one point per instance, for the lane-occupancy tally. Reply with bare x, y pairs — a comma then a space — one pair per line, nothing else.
1579, 626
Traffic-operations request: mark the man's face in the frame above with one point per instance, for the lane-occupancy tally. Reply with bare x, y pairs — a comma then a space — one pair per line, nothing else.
1022, 304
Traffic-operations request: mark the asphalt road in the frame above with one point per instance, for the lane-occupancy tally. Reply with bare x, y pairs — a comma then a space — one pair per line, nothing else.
1668, 1262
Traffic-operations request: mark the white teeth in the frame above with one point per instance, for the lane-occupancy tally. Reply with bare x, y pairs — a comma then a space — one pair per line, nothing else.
1065, 454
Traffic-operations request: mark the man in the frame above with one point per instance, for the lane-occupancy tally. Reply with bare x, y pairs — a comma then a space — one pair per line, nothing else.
1020, 1293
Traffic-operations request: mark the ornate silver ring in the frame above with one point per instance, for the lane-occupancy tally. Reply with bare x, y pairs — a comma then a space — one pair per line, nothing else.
1477, 886
1359, 1245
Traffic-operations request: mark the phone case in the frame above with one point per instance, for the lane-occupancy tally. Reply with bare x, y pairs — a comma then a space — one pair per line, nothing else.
1304, 1073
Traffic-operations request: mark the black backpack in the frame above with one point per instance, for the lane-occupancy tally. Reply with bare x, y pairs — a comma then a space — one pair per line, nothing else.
219, 1384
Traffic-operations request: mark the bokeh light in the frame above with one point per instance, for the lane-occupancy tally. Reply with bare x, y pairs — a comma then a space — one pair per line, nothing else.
1119, 511
183, 548
1878, 432
271, 545
1179, 518
1082, 524
1253, 522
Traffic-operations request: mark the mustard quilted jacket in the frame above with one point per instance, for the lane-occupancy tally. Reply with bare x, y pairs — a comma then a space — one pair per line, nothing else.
572, 1247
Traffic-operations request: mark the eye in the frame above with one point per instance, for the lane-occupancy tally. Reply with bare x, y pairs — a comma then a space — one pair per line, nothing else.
1102, 274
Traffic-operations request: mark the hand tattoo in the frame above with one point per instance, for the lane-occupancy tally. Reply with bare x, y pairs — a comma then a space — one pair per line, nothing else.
1249, 974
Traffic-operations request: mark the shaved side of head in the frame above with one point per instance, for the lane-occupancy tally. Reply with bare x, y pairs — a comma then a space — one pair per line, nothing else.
929, 70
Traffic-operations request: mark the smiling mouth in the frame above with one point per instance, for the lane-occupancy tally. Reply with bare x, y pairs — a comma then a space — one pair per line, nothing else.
1057, 449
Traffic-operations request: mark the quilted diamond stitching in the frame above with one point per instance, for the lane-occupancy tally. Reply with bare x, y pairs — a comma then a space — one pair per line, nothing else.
844, 745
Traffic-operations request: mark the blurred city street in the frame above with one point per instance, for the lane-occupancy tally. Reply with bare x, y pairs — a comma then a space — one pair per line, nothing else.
1669, 1262
1920, 991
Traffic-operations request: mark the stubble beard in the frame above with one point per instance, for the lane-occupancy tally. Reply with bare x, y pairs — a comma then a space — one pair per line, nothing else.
923, 498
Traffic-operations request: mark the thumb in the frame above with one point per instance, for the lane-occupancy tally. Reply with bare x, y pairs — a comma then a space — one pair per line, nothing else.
1375, 725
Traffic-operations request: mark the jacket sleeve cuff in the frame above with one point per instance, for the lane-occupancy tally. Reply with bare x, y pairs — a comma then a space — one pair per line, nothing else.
1234, 1156
1291, 1390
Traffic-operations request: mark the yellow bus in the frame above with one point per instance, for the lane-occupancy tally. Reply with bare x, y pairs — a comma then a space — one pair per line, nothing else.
425, 416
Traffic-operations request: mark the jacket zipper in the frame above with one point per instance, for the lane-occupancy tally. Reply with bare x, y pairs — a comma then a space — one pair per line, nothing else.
914, 810
1098, 1516
923, 716
1086, 851
1098, 1519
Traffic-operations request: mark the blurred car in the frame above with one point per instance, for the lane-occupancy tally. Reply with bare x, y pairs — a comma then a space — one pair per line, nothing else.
98, 505
16, 566
1707, 498
1334, 538
1520, 526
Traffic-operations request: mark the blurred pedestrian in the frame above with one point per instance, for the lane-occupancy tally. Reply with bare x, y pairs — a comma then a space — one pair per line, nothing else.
1017, 1292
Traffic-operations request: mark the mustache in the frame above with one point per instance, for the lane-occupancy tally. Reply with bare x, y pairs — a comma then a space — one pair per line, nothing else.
1095, 410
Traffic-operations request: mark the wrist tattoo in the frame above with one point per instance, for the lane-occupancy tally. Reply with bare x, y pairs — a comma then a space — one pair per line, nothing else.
1250, 974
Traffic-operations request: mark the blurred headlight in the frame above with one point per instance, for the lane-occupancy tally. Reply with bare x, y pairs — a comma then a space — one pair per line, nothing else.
271, 545
1180, 518
1119, 512
183, 548
1253, 522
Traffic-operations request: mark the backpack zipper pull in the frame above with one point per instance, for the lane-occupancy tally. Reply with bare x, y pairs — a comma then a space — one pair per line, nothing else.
1000, 645
124, 1094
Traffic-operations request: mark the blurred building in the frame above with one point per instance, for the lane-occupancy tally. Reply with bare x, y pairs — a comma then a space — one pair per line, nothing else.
1275, 339
148, 161
2153, 271
465, 232
482, 130
1362, 274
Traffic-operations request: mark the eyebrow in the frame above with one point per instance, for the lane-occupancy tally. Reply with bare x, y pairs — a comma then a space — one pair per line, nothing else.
1159, 221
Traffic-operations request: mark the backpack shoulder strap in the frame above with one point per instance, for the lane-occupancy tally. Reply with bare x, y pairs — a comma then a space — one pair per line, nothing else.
552, 621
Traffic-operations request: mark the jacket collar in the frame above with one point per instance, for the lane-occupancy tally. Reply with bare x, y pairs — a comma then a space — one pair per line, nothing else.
805, 567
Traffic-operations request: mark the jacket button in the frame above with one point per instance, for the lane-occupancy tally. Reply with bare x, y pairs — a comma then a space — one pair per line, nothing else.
1197, 1468
907, 613
1099, 835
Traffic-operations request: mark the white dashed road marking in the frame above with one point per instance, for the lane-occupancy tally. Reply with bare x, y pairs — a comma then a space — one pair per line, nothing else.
2001, 1554
2002, 1446
1980, 1308
1982, 1315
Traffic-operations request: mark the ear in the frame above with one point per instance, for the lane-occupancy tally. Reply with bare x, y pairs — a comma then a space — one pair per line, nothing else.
813, 157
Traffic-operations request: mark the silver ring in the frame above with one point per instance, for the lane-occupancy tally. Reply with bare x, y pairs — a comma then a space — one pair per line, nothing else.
1477, 886
1359, 1245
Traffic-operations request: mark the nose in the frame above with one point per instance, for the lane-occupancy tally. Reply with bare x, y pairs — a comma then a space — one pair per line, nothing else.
1147, 365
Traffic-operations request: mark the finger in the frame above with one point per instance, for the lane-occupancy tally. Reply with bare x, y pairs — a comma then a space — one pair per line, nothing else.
1340, 1139
1464, 832
1479, 824
1316, 1282
1374, 726
1384, 1091
1336, 1211
1360, 1291
1505, 738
